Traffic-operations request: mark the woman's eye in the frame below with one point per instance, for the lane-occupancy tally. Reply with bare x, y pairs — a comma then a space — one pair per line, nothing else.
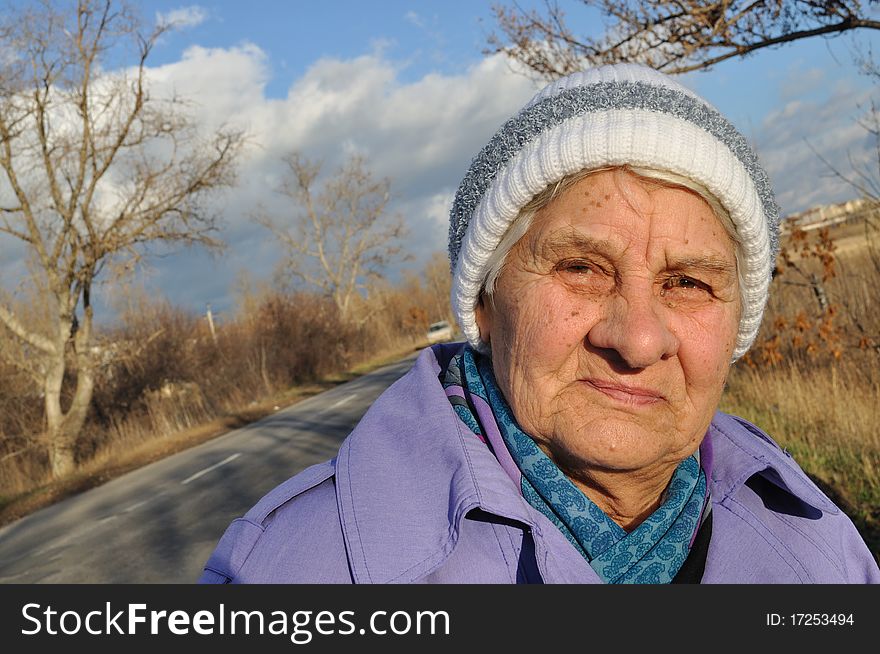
684, 283
583, 276
577, 267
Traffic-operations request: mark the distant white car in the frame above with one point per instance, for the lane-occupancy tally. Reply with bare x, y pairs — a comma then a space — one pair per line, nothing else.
439, 332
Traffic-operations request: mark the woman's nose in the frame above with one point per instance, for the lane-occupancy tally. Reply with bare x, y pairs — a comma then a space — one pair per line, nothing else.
634, 326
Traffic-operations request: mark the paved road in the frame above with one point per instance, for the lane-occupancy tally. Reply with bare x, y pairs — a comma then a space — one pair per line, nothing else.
160, 523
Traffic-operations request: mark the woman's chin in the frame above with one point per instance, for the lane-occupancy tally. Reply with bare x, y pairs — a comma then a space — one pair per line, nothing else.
610, 444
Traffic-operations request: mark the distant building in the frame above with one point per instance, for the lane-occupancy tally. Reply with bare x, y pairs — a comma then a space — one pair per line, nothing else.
830, 214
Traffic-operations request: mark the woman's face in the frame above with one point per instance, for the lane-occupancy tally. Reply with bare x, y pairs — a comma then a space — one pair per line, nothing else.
613, 324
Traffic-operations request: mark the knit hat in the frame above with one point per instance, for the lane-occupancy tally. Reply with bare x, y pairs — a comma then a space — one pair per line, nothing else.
611, 116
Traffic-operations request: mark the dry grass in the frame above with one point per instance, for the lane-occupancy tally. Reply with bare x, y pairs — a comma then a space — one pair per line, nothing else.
828, 421
824, 407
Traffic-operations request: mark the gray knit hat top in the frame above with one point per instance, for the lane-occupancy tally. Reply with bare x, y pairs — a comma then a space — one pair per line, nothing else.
611, 116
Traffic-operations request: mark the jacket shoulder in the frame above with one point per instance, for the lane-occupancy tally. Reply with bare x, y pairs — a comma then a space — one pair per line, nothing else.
263, 545
742, 450
777, 523
264, 510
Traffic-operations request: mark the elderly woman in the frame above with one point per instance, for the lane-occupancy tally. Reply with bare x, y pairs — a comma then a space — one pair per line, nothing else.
611, 249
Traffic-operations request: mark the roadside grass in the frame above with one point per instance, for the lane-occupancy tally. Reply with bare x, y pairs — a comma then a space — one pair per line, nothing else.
141, 447
828, 420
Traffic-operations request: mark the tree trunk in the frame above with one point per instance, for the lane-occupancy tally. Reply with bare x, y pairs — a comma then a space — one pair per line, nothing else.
61, 458
62, 451
63, 428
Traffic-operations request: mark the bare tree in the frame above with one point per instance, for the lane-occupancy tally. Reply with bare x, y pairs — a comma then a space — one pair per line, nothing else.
93, 170
339, 235
439, 284
675, 36
864, 178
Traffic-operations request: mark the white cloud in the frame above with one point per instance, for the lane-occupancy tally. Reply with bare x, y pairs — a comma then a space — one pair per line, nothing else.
421, 135
183, 17
414, 18
793, 141
224, 85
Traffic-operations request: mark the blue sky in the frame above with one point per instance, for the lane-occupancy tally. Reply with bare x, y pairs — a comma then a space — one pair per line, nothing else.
406, 84
447, 36
424, 37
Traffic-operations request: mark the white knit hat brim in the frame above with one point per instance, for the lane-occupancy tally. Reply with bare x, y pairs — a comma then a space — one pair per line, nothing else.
608, 138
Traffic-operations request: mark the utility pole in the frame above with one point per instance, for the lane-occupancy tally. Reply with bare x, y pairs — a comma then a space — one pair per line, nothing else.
211, 322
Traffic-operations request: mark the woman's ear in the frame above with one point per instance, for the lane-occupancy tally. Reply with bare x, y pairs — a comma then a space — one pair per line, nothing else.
483, 313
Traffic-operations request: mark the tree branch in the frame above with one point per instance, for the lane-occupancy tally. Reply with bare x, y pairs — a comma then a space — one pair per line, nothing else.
669, 35
16, 327
743, 50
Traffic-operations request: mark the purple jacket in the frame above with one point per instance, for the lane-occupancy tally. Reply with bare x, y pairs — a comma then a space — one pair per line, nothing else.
414, 496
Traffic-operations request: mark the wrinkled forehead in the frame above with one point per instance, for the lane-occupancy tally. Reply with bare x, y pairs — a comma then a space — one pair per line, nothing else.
613, 212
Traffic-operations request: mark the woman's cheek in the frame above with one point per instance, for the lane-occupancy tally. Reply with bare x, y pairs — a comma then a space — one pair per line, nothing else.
547, 328
707, 347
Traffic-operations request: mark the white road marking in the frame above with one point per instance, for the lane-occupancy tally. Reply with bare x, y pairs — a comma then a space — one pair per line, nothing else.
348, 398
228, 459
138, 505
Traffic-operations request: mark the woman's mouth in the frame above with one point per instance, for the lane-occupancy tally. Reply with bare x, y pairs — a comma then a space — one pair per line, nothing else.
630, 395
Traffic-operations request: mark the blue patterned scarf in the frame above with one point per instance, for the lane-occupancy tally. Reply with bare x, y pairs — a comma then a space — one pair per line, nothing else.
650, 554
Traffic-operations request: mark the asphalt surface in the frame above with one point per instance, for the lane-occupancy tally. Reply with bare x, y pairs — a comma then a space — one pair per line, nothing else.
159, 524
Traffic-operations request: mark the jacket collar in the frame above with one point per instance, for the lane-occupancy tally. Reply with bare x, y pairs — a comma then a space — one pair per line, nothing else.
409, 473
741, 450
411, 470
